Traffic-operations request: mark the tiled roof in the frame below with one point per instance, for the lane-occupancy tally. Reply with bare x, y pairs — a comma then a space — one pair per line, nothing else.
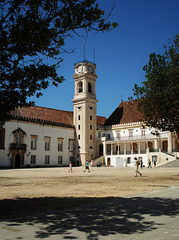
48, 116
126, 112
101, 120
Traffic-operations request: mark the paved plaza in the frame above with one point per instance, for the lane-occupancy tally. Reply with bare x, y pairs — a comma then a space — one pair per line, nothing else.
149, 215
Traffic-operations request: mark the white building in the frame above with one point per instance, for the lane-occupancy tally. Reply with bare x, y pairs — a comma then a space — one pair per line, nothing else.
38, 137
124, 137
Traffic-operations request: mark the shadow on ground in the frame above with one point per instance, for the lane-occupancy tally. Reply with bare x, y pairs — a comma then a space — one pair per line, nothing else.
93, 216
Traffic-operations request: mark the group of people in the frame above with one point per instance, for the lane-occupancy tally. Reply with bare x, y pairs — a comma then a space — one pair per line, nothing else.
150, 164
70, 170
138, 163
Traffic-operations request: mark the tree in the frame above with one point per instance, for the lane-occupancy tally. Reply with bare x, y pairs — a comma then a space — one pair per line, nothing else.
158, 97
32, 37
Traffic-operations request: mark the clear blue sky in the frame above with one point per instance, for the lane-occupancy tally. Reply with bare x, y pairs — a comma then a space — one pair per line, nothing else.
144, 27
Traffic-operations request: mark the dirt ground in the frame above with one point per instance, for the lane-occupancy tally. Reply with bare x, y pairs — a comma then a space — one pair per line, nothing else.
28, 190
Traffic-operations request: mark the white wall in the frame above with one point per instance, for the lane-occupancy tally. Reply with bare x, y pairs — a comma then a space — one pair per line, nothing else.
41, 131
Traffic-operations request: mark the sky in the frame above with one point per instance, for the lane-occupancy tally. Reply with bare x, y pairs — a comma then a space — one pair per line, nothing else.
120, 55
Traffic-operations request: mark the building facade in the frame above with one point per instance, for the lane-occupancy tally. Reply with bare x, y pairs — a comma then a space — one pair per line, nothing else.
44, 137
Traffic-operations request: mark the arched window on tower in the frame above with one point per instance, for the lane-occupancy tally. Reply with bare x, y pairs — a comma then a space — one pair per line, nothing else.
89, 88
80, 87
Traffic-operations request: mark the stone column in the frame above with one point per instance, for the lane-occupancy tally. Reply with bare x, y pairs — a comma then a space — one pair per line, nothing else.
169, 142
139, 148
112, 149
124, 148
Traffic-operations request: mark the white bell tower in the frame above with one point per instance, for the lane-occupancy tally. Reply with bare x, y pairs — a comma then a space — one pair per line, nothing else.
84, 111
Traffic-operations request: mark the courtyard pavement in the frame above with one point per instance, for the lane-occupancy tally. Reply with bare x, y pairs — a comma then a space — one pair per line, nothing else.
151, 215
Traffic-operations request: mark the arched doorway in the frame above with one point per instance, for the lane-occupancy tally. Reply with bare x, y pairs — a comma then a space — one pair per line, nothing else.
17, 160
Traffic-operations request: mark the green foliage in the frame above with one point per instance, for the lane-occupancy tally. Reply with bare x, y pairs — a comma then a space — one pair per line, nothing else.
158, 97
32, 36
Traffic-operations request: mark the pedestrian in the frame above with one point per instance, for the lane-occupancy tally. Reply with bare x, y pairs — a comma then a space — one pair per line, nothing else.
141, 163
87, 166
98, 165
70, 167
155, 164
149, 164
137, 167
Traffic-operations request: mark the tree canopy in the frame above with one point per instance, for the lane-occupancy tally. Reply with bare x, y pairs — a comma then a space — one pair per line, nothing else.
158, 97
32, 37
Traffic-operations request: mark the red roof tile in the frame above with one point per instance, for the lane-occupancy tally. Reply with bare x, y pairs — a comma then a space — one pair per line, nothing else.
46, 114
101, 120
50, 115
126, 112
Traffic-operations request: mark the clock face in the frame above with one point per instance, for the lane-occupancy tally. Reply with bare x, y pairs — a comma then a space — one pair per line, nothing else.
90, 68
80, 68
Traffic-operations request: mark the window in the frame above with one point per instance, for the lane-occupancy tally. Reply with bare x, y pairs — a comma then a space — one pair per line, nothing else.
131, 133
129, 160
19, 138
47, 144
60, 160
89, 88
108, 136
91, 137
78, 127
118, 135
78, 117
80, 87
91, 117
60, 144
143, 132
79, 137
33, 159
33, 142
91, 127
47, 159
71, 145
2, 137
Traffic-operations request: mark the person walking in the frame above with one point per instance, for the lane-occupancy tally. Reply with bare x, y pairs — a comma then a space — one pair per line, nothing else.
137, 167
70, 167
155, 164
149, 164
87, 166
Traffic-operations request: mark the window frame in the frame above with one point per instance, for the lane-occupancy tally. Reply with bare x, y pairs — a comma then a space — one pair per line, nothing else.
33, 142
71, 145
33, 160
47, 159
60, 146
60, 160
47, 143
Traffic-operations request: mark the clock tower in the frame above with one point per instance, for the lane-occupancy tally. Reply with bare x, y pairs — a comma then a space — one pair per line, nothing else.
84, 111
